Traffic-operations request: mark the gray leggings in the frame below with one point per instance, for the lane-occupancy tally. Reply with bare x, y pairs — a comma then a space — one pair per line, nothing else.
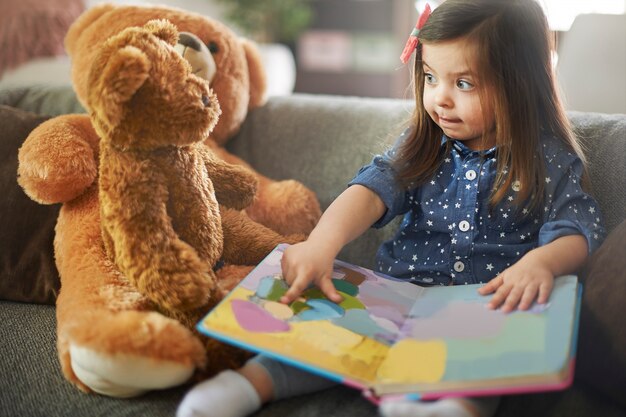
289, 381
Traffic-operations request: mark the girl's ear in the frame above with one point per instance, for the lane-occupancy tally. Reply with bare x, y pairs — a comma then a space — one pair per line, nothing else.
124, 73
256, 71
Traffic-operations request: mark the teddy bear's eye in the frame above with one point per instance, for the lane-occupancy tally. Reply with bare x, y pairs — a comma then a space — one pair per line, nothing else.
213, 47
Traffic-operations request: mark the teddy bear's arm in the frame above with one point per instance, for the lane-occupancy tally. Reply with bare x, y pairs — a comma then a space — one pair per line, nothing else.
140, 237
247, 242
235, 186
57, 162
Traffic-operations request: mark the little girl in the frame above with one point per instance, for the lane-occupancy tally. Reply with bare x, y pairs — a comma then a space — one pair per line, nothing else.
488, 178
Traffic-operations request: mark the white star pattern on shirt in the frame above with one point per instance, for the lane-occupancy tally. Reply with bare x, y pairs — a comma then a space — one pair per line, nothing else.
499, 234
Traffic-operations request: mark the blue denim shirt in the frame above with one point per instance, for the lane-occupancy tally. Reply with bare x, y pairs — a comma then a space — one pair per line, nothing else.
450, 236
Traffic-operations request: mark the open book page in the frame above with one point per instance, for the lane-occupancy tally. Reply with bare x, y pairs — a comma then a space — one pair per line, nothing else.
396, 337
345, 341
452, 342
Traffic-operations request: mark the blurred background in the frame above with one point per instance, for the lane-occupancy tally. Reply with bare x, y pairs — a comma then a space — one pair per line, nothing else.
352, 47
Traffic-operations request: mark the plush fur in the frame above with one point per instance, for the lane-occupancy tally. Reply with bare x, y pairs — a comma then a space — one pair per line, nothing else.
120, 333
284, 206
160, 217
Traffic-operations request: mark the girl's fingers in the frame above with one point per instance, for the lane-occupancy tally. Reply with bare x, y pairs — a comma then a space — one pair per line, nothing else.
327, 287
294, 291
528, 297
512, 300
544, 291
491, 286
286, 274
499, 297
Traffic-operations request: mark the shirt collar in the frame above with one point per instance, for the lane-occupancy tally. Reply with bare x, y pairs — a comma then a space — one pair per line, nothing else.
463, 150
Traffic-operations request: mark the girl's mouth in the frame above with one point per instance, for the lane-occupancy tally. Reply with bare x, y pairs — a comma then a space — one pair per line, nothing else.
447, 120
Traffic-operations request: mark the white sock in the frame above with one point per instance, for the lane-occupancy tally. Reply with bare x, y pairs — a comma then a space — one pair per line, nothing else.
229, 394
449, 407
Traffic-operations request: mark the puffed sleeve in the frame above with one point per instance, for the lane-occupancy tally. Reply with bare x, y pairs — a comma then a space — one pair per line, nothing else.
380, 177
568, 208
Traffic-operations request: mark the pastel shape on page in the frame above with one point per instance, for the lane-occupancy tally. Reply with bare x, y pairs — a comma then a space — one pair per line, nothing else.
321, 309
271, 288
345, 287
414, 361
254, 318
278, 310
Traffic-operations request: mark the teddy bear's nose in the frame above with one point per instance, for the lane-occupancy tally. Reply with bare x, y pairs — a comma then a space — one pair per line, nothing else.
205, 100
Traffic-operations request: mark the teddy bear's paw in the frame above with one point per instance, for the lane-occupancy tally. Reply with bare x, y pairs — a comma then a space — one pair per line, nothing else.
229, 276
185, 290
286, 207
56, 163
127, 353
124, 376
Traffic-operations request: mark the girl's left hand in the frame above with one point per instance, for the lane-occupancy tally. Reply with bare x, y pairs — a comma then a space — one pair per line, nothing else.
519, 285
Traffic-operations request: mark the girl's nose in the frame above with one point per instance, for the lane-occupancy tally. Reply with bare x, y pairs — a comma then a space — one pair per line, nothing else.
442, 97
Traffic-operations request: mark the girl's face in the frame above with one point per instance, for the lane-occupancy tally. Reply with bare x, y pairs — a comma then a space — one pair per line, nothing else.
451, 92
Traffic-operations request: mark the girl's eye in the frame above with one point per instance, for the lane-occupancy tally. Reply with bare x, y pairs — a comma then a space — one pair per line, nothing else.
464, 85
430, 79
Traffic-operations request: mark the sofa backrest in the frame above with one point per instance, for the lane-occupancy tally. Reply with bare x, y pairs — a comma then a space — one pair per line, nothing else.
323, 140
603, 137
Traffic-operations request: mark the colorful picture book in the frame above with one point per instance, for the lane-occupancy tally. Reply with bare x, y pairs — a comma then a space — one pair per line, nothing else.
390, 337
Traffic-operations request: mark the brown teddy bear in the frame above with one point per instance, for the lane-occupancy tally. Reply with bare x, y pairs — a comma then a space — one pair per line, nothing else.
111, 338
160, 217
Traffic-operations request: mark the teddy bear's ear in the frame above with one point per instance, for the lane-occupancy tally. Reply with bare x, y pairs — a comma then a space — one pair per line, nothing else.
163, 29
84, 21
125, 72
258, 82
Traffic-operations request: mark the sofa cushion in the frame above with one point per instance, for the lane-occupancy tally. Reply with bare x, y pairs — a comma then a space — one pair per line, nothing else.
49, 100
601, 359
27, 269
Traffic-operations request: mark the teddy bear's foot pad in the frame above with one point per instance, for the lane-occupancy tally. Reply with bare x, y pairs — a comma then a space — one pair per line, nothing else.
125, 376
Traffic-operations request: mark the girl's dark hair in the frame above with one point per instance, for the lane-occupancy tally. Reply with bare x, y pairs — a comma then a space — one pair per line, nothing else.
514, 50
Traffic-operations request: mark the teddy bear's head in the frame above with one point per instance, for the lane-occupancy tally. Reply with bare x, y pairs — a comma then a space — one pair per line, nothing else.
239, 78
142, 94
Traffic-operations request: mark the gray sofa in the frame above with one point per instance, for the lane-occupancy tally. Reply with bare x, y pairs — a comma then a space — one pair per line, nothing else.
322, 141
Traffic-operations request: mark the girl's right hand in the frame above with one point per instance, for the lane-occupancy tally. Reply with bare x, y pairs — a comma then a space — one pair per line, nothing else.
305, 263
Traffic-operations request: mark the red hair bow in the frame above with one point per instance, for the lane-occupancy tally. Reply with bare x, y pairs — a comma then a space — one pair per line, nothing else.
411, 43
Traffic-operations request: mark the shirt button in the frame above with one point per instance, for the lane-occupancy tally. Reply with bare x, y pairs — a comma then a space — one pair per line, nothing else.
464, 226
470, 175
516, 186
459, 266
